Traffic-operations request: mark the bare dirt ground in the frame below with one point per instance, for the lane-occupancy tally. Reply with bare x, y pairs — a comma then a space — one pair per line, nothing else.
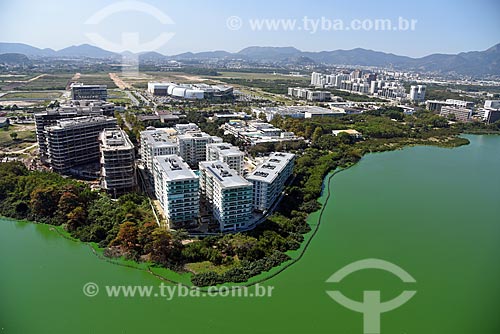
119, 82
76, 77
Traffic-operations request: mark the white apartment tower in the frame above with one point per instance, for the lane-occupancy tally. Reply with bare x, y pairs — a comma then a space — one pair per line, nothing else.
176, 187
417, 93
193, 146
154, 143
269, 179
228, 154
226, 195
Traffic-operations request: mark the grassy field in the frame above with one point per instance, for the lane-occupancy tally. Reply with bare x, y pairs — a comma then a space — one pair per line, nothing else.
205, 266
48, 82
47, 95
262, 76
24, 137
142, 80
97, 79
11, 81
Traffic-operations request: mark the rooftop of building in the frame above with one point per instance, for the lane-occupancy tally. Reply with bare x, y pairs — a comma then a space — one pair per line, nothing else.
115, 139
159, 137
225, 176
181, 128
194, 86
194, 134
82, 85
271, 167
348, 131
74, 106
80, 122
174, 168
226, 149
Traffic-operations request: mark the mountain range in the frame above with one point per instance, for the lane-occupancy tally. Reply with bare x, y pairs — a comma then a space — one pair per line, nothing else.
473, 63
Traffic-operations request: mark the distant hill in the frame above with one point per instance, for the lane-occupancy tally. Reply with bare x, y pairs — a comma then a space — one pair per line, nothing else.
269, 53
474, 63
85, 50
14, 58
79, 51
25, 49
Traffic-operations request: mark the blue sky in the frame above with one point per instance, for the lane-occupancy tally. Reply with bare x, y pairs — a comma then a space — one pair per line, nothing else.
442, 26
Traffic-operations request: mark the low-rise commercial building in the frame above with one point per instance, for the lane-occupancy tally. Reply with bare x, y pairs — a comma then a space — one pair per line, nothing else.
225, 194
436, 105
183, 128
177, 190
117, 162
190, 91
80, 91
256, 132
351, 132
309, 94
456, 113
491, 115
269, 179
492, 104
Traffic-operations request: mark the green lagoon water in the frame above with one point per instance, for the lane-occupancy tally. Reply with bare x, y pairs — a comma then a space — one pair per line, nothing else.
434, 212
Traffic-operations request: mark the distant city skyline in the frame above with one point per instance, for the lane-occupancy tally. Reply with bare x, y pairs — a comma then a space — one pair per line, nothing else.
441, 27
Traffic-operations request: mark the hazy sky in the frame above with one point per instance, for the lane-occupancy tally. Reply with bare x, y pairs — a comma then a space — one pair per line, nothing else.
445, 26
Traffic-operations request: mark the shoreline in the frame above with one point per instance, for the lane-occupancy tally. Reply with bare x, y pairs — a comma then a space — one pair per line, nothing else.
273, 272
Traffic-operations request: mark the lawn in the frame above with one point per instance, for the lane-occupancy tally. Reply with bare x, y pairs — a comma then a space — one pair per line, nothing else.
263, 76
97, 79
23, 137
205, 266
48, 82
46, 95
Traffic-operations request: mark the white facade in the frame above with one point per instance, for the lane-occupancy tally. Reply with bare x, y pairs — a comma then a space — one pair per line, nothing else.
183, 128
417, 93
269, 179
157, 142
226, 195
193, 146
176, 187
492, 104
309, 94
228, 154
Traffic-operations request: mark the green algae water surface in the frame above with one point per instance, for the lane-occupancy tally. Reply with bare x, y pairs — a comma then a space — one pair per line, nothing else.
433, 212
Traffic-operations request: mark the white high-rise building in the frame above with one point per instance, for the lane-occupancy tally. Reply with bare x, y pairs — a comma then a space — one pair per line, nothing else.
228, 154
269, 179
417, 93
193, 146
157, 142
226, 195
318, 79
177, 189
